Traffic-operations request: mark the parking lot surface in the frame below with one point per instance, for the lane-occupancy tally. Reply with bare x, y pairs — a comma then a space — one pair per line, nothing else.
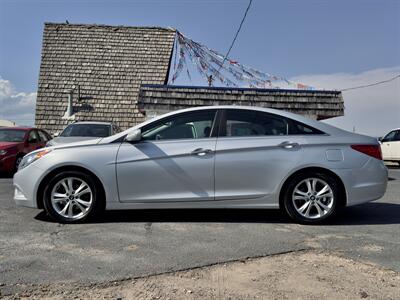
126, 244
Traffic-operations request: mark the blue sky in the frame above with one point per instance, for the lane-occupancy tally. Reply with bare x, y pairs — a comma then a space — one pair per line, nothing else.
285, 37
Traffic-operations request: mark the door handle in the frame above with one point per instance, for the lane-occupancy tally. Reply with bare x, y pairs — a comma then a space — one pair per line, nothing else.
201, 151
289, 145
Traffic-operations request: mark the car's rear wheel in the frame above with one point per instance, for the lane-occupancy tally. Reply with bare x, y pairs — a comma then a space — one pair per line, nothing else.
72, 197
311, 197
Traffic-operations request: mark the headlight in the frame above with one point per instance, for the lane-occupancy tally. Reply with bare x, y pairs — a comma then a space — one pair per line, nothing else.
3, 152
31, 157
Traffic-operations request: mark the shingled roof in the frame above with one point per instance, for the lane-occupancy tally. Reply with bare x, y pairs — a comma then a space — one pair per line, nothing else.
106, 64
312, 103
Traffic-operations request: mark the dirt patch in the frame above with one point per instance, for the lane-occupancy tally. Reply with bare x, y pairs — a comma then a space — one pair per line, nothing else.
301, 275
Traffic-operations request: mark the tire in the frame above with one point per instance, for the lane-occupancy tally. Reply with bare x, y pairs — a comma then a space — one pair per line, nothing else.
76, 204
17, 162
301, 190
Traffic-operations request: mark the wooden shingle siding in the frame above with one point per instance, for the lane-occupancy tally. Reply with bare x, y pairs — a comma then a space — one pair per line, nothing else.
316, 104
108, 63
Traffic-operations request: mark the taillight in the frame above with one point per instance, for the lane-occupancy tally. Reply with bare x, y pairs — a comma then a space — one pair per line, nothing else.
371, 150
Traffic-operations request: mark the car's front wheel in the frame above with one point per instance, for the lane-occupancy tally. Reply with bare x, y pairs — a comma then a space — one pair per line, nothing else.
72, 197
311, 197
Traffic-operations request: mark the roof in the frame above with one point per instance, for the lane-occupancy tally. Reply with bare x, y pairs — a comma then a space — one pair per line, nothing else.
313, 123
18, 128
106, 65
316, 103
92, 122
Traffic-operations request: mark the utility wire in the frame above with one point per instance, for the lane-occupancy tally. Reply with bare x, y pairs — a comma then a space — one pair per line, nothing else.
371, 84
236, 35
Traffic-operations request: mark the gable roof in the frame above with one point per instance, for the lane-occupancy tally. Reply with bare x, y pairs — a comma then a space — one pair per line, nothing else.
106, 65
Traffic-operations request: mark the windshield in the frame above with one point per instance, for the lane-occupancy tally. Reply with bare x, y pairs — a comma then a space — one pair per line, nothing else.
92, 130
11, 135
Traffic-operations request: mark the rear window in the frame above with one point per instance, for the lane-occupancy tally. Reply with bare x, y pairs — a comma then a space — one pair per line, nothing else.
89, 130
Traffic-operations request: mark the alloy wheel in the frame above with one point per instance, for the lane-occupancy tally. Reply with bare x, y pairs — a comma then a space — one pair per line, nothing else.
72, 198
313, 198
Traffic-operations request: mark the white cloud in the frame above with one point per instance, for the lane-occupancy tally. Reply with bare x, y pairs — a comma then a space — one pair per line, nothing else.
16, 106
373, 110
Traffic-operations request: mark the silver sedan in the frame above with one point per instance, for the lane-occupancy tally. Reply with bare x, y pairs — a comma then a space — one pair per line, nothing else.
208, 157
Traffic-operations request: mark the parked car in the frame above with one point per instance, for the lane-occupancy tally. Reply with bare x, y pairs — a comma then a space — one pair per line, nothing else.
15, 142
391, 146
208, 157
82, 131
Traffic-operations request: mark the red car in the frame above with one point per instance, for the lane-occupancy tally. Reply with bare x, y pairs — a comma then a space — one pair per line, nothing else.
15, 142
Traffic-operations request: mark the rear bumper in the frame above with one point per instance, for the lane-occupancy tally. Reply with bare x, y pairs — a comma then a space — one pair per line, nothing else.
365, 184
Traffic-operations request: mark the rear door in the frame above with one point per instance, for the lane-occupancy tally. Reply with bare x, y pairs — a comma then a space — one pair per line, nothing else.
173, 162
254, 153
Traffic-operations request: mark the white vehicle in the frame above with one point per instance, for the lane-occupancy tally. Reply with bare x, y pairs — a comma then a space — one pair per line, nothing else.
83, 131
391, 146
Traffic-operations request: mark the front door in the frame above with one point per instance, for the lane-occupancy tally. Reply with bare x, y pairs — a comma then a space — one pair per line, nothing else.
173, 162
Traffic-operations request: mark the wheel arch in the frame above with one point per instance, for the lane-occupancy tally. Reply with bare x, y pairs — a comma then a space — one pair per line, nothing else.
52, 173
343, 193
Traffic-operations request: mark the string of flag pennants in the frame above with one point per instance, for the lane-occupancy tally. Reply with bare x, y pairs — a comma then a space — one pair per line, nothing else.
213, 66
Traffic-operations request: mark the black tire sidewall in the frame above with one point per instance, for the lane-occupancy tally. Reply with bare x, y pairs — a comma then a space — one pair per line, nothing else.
96, 205
287, 199
19, 156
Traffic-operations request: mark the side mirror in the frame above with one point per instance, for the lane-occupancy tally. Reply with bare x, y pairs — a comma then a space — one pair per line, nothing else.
56, 134
134, 136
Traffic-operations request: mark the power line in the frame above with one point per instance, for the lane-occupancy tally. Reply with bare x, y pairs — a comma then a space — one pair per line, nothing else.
236, 35
371, 84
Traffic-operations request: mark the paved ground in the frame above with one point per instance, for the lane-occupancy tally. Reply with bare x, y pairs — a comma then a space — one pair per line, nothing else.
134, 243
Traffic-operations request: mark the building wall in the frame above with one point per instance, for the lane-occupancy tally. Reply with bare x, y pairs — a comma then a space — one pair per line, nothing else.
106, 65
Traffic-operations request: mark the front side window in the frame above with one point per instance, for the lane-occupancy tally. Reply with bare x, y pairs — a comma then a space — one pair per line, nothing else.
253, 123
43, 136
397, 136
193, 125
88, 130
33, 138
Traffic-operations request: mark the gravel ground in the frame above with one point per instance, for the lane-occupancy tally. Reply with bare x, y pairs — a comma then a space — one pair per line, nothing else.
300, 275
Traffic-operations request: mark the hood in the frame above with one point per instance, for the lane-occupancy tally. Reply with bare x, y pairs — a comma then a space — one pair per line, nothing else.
72, 144
6, 145
70, 139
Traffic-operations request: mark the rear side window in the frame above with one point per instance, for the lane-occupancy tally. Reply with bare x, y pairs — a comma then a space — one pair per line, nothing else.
239, 122
253, 123
301, 129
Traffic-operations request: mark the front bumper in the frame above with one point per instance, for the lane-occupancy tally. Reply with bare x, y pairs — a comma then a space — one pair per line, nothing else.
7, 164
26, 182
